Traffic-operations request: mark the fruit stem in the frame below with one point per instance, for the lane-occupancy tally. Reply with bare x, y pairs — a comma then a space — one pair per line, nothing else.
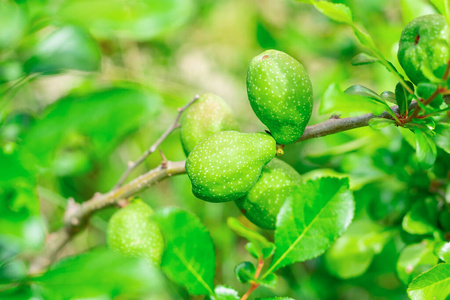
254, 285
280, 150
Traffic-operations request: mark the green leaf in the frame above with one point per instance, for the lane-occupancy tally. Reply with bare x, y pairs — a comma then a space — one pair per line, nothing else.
94, 124
224, 293
378, 123
68, 48
444, 251
363, 91
316, 213
335, 11
352, 253
270, 281
425, 149
402, 99
422, 218
276, 298
259, 246
336, 101
137, 20
433, 284
426, 89
440, 5
412, 9
189, 257
13, 22
388, 96
100, 272
442, 137
245, 271
415, 259
363, 59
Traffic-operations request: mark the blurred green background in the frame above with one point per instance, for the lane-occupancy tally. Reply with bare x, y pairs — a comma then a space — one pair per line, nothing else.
87, 86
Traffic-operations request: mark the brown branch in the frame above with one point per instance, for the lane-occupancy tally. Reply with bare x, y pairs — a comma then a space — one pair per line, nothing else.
78, 216
335, 125
175, 125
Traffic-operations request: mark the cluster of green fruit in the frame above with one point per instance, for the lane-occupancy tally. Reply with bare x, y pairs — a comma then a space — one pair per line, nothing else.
225, 164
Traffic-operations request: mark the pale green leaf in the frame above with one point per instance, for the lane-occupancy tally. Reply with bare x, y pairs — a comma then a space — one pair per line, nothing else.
442, 137
443, 251
415, 259
335, 11
433, 284
336, 101
352, 253
224, 293
378, 123
189, 257
422, 218
364, 59
316, 213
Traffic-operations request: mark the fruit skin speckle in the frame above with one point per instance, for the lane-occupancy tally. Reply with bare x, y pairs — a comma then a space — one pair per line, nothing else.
132, 232
280, 93
424, 48
208, 115
226, 165
263, 202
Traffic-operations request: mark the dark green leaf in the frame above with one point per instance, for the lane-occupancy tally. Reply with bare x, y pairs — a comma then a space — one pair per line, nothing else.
189, 257
316, 213
363, 59
100, 272
402, 99
68, 48
245, 271
422, 218
352, 253
433, 284
258, 245
415, 259
425, 148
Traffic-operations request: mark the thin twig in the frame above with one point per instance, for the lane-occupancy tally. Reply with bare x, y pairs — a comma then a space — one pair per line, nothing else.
78, 219
254, 285
175, 125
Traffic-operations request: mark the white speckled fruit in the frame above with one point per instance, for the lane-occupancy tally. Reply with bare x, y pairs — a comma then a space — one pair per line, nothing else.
132, 232
226, 165
208, 115
263, 202
280, 93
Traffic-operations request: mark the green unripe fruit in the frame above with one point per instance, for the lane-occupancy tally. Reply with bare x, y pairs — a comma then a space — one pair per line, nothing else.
132, 232
226, 165
208, 115
280, 93
263, 202
424, 47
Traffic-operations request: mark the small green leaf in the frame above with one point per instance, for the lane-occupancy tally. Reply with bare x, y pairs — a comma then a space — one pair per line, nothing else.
245, 271
100, 272
415, 259
316, 213
432, 284
68, 48
352, 253
378, 123
363, 91
442, 137
224, 293
259, 246
422, 218
402, 99
189, 257
336, 101
269, 281
425, 149
335, 11
363, 59
388, 96
426, 89
443, 251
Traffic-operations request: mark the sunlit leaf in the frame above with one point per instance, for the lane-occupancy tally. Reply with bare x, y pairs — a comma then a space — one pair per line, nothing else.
224, 293
316, 213
433, 284
442, 137
422, 218
415, 259
363, 59
189, 257
426, 149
